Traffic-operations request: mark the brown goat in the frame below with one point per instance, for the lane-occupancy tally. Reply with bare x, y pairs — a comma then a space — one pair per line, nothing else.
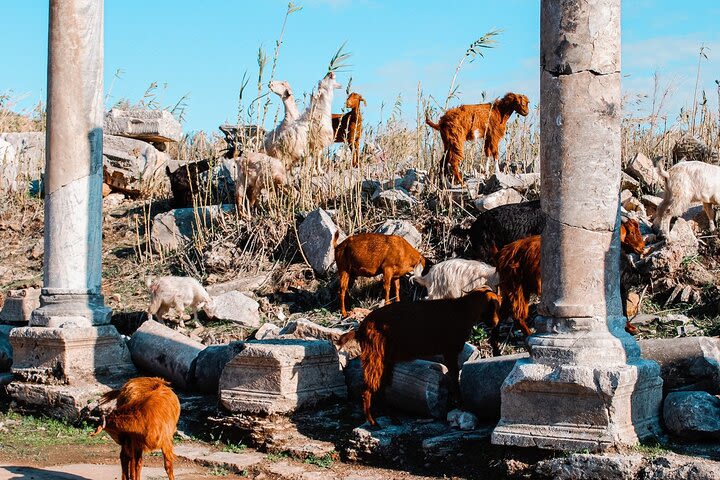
370, 254
409, 330
518, 265
472, 122
145, 419
348, 126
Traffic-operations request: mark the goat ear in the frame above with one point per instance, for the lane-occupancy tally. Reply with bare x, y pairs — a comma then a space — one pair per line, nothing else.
363, 100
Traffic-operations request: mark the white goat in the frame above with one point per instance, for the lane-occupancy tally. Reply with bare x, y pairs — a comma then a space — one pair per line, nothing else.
311, 132
8, 167
282, 89
255, 172
177, 293
456, 277
688, 182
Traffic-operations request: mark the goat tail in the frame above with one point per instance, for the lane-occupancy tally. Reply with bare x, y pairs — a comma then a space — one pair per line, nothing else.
109, 396
431, 123
336, 237
345, 338
373, 358
661, 171
100, 428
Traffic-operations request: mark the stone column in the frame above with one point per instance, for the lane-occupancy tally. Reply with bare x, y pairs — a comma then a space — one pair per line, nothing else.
585, 385
69, 340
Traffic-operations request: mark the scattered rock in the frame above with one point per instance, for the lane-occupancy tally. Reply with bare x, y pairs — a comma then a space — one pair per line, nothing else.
210, 363
520, 182
174, 229
281, 376
643, 169
29, 148
454, 444
148, 125
235, 307
162, 351
688, 362
480, 382
245, 284
304, 329
584, 466
629, 183
132, 166
388, 440
692, 415
651, 203
690, 148
396, 198
369, 188
19, 305
402, 228
267, 331
462, 420
9, 167
316, 240
113, 200
501, 197
412, 182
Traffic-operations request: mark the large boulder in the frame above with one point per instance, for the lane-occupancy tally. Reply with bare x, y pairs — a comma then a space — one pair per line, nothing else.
147, 125
642, 168
316, 234
235, 307
692, 415
281, 376
521, 182
132, 166
689, 148
174, 229
162, 351
394, 199
480, 382
686, 362
681, 243
402, 228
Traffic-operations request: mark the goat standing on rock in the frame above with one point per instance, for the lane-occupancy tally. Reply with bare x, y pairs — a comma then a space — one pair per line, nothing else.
410, 330
473, 122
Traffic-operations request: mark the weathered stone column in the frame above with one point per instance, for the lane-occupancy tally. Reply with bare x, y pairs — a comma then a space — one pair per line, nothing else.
70, 340
585, 385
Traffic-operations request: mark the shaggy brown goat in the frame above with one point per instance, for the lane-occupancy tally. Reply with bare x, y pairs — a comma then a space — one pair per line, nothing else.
145, 419
518, 265
409, 330
370, 254
472, 122
348, 126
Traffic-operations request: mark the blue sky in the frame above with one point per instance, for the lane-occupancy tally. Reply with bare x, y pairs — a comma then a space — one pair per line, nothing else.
203, 48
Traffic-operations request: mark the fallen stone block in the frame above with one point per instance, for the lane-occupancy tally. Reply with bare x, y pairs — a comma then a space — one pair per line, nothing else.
161, 351
210, 363
234, 462
692, 415
132, 166
606, 467
501, 197
685, 363
401, 228
6, 352
396, 198
689, 147
651, 203
235, 307
19, 305
174, 229
29, 148
304, 329
480, 382
419, 387
147, 125
643, 169
245, 284
316, 240
413, 181
281, 376
9, 168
